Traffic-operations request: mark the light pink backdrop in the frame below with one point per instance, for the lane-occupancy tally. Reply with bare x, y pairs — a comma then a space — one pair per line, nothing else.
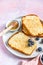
10, 9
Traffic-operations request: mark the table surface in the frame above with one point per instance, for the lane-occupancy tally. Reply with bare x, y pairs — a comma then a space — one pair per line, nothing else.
10, 9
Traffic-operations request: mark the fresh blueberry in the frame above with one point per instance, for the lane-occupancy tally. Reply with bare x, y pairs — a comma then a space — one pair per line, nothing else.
37, 38
42, 58
30, 42
41, 41
42, 55
39, 49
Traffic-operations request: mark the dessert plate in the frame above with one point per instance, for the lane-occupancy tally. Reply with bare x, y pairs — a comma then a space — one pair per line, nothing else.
7, 36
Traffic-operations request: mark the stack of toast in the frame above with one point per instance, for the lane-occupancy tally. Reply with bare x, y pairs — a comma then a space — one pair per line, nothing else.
20, 41
31, 25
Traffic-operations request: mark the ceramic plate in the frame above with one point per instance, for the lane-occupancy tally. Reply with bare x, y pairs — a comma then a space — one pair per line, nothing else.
5, 40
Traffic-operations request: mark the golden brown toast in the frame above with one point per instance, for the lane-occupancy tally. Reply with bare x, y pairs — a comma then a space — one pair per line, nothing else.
41, 35
31, 25
19, 42
26, 32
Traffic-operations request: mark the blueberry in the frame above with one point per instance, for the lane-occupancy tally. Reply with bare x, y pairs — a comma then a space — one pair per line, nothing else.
41, 41
37, 38
30, 42
42, 58
39, 49
42, 55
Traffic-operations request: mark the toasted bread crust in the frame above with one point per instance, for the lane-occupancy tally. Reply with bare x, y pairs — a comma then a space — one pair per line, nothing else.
41, 35
26, 30
20, 50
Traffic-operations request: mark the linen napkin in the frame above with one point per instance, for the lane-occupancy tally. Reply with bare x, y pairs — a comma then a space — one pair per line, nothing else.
32, 62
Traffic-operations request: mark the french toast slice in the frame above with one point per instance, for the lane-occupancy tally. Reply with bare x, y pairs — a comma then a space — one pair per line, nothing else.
27, 33
19, 42
31, 25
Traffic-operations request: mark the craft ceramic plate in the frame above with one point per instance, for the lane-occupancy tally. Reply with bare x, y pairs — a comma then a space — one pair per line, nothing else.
5, 40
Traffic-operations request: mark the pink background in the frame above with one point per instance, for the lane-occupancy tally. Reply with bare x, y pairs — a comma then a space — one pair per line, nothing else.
10, 9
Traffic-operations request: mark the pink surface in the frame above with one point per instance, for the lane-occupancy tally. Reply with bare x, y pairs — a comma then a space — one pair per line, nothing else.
32, 62
9, 9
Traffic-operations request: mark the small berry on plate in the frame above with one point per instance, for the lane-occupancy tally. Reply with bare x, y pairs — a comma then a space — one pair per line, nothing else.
41, 41
30, 42
37, 38
39, 49
42, 58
